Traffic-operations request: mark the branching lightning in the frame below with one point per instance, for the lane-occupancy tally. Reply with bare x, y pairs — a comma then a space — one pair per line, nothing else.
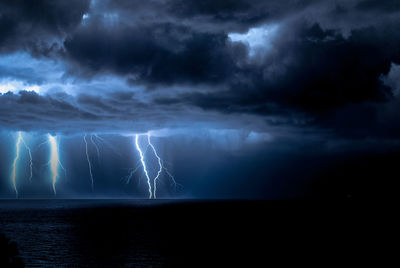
132, 172
159, 164
172, 178
30, 158
88, 160
143, 164
55, 164
152, 184
20, 140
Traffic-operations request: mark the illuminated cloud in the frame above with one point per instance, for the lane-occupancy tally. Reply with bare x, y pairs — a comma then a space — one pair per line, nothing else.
17, 86
257, 39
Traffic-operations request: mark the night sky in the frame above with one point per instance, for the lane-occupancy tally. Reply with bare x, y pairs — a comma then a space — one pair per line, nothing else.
249, 99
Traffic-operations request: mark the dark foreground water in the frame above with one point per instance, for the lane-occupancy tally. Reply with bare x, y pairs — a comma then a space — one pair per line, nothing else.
135, 233
69, 233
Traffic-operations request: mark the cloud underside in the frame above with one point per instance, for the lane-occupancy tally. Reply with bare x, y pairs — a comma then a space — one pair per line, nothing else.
326, 67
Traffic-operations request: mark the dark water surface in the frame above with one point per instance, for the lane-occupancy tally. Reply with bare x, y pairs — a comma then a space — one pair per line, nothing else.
69, 233
147, 233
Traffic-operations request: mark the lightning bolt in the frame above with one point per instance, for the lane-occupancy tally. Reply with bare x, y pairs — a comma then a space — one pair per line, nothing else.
132, 172
30, 158
88, 160
143, 164
159, 165
20, 140
54, 161
15, 162
172, 178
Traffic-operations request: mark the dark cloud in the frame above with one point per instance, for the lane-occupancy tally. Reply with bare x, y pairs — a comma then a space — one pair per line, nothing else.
384, 6
39, 25
30, 111
119, 112
25, 74
154, 53
312, 71
209, 15
169, 42
64, 113
236, 15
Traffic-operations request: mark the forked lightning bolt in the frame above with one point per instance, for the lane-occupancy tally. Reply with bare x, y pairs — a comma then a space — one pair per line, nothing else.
14, 174
159, 165
152, 184
55, 164
143, 164
161, 168
30, 159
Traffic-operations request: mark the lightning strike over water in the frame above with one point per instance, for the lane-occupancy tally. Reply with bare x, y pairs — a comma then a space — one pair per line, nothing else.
30, 158
152, 184
159, 164
20, 140
143, 164
88, 160
172, 178
15, 163
132, 171
54, 161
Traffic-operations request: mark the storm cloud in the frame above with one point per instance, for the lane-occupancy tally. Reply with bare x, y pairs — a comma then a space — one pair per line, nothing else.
38, 26
322, 66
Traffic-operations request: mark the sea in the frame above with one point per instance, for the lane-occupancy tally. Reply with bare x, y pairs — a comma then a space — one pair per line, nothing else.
83, 233
178, 233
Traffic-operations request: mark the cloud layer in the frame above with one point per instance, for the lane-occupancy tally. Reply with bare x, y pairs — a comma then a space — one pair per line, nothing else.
330, 65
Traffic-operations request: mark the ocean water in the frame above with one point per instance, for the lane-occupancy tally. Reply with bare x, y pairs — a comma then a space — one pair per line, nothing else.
129, 233
172, 233
83, 233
